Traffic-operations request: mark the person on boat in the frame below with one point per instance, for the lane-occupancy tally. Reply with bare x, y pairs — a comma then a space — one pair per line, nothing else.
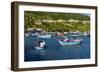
42, 44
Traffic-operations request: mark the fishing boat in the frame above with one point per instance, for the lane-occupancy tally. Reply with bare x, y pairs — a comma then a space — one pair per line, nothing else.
44, 36
70, 42
40, 45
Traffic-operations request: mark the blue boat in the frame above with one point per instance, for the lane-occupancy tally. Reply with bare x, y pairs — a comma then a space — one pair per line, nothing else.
72, 42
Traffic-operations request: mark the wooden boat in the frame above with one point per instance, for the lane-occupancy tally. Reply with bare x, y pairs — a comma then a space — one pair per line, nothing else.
72, 42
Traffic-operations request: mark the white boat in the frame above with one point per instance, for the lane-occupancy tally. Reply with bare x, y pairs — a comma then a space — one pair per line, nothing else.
39, 48
41, 45
44, 36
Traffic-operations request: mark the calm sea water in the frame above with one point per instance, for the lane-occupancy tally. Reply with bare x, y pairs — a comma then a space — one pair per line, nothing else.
54, 51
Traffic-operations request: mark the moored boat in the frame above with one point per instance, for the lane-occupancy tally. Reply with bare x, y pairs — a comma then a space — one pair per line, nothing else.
40, 45
44, 36
72, 42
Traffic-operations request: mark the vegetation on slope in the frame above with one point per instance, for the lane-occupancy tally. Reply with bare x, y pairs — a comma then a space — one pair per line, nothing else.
30, 19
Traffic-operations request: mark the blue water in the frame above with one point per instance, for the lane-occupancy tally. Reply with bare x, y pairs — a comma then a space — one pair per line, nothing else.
54, 51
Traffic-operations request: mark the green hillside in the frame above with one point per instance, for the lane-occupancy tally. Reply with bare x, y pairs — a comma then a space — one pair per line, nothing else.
41, 20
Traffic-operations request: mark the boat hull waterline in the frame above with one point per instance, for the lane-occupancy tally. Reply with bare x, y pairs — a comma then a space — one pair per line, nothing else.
39, 48
63, 43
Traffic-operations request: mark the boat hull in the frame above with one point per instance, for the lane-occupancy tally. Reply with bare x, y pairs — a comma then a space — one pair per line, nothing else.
68, 43
38, 48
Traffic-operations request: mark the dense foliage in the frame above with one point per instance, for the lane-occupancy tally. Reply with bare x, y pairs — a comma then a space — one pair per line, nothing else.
31, 17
